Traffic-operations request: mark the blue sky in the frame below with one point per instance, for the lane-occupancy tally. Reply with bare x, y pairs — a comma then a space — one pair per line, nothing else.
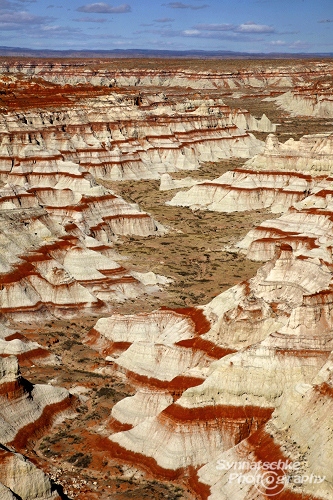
238, 25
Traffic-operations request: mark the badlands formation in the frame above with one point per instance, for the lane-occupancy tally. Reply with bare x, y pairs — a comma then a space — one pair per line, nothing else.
166, 289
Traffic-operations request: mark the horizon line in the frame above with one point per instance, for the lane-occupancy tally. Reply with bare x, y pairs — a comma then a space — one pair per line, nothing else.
43, 52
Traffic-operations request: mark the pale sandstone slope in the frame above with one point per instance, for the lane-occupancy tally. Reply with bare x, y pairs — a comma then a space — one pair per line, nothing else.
272, 321
257, 76
113, 138
26, 412
286, 438
307, 102
21, 479
283, 175
246, 375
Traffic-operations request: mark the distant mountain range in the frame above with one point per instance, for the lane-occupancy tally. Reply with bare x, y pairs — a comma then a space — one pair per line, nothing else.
143, 53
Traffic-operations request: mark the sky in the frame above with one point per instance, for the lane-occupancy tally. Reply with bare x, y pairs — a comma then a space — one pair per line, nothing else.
236, 25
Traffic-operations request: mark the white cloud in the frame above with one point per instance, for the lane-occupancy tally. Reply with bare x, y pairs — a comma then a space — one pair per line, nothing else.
277, 43
246, 28
90, 20
104, 8
181, 5
21, 18
215, 27
56, 29
299, 44
191, 32
164, 20
251, 27
212, 35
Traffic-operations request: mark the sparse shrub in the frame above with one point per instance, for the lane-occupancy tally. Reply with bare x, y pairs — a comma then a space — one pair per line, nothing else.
80, 460
106, 391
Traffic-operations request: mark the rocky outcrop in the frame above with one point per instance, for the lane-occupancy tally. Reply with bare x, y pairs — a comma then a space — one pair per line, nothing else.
307, 102
249, 122
113, 138
243, 189
21, 479
143, 345
246, 376
112, 74
13, 342
55, 267
281, 459
312, 153
294, 173
55, 214
27, 410
209, 379
308, 232
56, 218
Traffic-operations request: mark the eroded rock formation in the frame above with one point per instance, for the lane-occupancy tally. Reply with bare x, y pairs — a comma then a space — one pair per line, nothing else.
308, 102
256, 75
27, 411
254, 346
294, 173
247, 377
